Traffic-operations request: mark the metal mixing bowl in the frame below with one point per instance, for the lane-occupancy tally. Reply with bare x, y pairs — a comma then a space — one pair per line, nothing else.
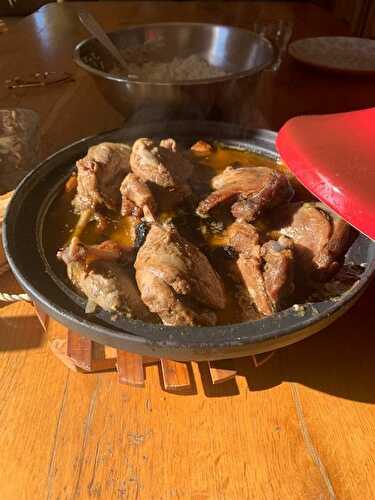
240, 53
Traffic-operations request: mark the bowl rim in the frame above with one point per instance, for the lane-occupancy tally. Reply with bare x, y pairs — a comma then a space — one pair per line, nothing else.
204, 81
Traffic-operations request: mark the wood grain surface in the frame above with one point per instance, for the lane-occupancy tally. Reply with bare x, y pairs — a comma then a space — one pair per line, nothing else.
301, 426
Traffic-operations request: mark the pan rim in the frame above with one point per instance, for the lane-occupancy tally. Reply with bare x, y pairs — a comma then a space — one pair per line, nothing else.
237, 335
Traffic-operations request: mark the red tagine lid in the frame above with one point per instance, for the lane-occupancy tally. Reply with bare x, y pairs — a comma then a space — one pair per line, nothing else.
333, 156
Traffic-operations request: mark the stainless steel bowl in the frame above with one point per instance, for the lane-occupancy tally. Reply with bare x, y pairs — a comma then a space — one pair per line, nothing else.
243, 55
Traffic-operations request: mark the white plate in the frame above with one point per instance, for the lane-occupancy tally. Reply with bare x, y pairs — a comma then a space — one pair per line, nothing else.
341, 53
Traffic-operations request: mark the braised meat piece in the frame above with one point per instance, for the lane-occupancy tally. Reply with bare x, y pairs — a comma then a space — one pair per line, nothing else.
160, 165
176, 280
163, 166
341, 239
99, 176
174, 310
137, 198
202, 147
321, 238
278, 271
266, 271
250, 268
95, 270
242, 236
108, 285
169, 144
107, 250
250, 190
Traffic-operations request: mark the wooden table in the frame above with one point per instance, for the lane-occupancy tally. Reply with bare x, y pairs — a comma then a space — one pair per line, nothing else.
300, 427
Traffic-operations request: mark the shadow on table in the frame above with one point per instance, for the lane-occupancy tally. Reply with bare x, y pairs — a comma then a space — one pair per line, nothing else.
20, 332
340, 360
228, 388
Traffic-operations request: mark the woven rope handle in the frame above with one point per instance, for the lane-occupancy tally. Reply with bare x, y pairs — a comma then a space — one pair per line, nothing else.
14, 297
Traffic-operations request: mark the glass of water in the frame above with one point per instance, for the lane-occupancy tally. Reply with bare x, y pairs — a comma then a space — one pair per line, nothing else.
279, 33
19, 145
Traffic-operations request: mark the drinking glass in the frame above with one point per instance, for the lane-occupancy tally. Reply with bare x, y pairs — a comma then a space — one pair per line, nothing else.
19, 145
278, 33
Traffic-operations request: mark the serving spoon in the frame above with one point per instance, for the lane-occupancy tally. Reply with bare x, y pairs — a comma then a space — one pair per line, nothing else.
333, 156
92, 25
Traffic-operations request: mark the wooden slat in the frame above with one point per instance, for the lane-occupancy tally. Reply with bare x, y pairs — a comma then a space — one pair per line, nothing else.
149, 360
219, 374
110, 352
59, 349
130, 368
4, 201
99, 362
80, 349
42, 317
102, 358
175, 375
261, 359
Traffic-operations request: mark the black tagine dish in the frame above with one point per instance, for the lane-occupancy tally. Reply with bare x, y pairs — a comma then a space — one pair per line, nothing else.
214, 330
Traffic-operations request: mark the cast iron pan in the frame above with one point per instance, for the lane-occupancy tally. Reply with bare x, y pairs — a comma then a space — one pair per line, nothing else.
32, 267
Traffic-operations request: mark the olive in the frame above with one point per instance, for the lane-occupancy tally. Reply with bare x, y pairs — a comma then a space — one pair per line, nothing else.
141, 232
226, 252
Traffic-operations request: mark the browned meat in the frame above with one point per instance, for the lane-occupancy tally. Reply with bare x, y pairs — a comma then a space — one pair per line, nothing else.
71, 184
172, 309
251, 190
137, 198
250, 267
176, 280
106, 251
108, 285
169, 144
242, 236
266, 271
278, 273
341, 239
162, 165
99, 176
321, 238
94, 271
202, 147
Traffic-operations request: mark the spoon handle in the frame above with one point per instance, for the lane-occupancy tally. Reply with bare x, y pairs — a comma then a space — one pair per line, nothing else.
91, 24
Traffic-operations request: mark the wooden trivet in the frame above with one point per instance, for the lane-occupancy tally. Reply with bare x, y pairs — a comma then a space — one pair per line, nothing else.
79, 353
4, 200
